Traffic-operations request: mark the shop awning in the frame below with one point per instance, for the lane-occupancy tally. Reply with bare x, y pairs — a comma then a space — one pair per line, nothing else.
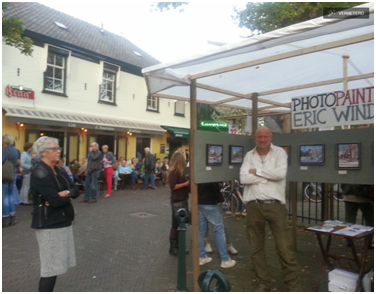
178, 132
33, 116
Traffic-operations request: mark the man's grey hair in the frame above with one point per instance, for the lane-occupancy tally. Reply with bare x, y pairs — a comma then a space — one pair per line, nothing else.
96, 144
8, 139
42, 144
147, 149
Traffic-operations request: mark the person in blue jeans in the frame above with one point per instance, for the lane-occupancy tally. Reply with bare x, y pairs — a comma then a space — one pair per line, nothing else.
149, 169
8, 208
209, 195
93, 170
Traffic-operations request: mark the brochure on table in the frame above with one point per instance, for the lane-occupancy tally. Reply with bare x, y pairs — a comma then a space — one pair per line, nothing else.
348, 228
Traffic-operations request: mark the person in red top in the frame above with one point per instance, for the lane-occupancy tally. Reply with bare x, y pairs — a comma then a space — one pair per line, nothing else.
107, 161
178, 182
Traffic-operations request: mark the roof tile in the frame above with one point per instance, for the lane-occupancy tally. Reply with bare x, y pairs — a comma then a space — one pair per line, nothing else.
41, 19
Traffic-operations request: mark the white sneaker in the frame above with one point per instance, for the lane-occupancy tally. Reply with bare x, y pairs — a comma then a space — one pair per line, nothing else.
228, 263
208, 248
205, 260
231, 249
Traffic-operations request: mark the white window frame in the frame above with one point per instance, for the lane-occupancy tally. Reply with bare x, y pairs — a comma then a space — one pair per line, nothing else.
153, 103
103, 87
53, 78
180, 104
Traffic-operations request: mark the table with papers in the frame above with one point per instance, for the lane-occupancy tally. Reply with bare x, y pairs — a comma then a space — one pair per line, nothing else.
349, 231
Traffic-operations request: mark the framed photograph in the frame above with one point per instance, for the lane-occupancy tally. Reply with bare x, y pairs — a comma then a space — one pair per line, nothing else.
214, 154
311, 154
288, 151
348, 156
163, 149
236, 154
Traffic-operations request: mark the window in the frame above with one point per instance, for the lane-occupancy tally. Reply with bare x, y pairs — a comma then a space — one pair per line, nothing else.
54, 76
107, 91
153, 103
180, 108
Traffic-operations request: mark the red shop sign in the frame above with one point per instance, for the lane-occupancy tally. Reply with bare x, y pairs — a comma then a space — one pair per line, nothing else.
19, 91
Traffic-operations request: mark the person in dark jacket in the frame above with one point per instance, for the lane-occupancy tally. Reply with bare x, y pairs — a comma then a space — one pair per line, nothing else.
209, 195
149, 169
8, 208
358, 197
53, 213
93, 169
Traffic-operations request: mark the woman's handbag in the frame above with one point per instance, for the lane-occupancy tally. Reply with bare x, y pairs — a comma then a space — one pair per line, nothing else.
115, 165
47, 215
8, 170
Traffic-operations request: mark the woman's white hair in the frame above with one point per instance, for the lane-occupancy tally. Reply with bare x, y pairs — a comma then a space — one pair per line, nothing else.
8, 139
42, 144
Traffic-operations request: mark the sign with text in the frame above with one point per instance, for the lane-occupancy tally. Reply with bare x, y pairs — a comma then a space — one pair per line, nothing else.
353, 107
233, 129
19, 91
213, 124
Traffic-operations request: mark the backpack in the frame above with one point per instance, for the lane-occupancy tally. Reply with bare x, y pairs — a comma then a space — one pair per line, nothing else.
8, 170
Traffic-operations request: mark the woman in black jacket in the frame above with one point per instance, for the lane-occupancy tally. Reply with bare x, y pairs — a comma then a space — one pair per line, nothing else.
53, 213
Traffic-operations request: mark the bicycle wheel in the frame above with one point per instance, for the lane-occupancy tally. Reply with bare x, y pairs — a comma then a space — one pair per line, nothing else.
230, 204
234, 204
312, 193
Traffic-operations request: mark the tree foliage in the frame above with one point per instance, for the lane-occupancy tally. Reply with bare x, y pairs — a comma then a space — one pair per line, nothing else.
13, 29
262, 17
164, 6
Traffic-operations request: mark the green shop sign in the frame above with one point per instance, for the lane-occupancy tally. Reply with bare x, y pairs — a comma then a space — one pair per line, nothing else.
212, 124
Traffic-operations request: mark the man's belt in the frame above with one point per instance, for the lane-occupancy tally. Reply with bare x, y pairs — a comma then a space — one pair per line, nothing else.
266, 201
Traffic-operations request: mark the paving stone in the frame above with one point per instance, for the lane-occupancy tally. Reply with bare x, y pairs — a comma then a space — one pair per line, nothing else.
117, 252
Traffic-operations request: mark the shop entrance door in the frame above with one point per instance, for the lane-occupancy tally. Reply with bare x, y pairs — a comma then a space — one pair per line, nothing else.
102, 140
142, 143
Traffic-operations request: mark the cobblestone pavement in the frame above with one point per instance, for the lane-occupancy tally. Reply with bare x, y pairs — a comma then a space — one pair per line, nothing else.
122, 245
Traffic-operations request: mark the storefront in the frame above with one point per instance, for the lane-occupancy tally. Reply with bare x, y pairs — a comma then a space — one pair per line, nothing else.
178, 137
76, 133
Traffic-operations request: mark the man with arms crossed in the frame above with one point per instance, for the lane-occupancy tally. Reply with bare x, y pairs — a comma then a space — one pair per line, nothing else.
264, 174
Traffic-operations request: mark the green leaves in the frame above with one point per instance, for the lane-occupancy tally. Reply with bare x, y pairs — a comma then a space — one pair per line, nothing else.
265, 17
164, 6
13, 29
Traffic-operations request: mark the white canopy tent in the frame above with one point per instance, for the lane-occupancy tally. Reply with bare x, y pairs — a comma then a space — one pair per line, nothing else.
264, 72
301, 59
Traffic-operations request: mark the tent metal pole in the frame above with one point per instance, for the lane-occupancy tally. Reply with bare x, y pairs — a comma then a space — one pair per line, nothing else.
254, 113
345, 78
193, 186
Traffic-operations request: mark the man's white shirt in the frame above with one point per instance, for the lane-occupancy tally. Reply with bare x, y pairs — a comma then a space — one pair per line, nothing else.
269, 182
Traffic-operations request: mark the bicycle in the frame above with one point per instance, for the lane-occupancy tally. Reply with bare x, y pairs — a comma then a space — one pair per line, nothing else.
233, 200
313, 192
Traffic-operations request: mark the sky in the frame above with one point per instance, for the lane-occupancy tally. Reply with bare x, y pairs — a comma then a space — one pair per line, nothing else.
168, 36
